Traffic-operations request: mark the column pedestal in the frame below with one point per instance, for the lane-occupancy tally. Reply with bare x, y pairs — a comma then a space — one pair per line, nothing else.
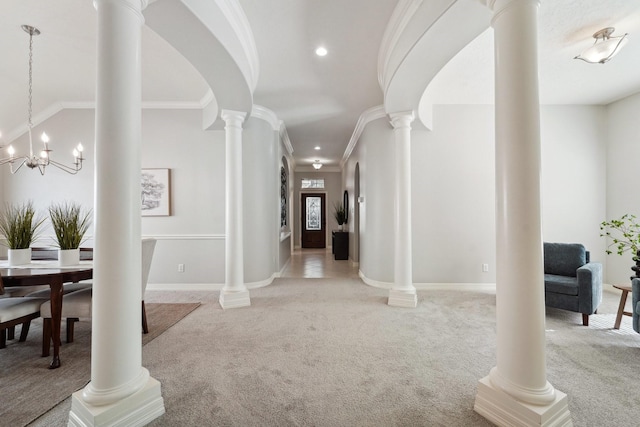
138, 409
502, 409
234, 299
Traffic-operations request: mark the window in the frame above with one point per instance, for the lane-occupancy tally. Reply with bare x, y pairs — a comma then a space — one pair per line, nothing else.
313, 183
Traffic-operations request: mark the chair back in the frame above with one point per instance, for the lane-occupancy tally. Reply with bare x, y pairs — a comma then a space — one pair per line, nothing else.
1, 286
148, 247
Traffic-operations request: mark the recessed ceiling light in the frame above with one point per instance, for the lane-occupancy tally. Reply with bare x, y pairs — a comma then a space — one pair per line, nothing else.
321, 51
317, 147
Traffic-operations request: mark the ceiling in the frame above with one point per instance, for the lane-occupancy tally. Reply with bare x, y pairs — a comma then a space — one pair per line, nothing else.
318, 98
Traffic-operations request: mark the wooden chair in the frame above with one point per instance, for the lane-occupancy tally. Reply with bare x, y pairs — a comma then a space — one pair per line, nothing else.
77, 305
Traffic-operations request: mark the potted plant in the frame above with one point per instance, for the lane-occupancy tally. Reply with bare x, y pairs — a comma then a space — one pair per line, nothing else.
70, 225
625, 237
340, 214
20, 226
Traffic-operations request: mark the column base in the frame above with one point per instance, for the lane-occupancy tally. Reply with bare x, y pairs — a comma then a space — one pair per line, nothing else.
234, 299
503, 410
138, 409
403, 298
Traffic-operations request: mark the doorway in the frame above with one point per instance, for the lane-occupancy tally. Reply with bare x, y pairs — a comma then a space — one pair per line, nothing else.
313, 220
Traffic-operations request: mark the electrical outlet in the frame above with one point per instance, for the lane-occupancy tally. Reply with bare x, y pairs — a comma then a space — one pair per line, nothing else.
485, 268
180, 268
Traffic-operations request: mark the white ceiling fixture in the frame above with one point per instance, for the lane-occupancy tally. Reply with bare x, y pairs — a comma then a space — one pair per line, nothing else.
321, 51
317, 147
32, 161
604, 48
317, 165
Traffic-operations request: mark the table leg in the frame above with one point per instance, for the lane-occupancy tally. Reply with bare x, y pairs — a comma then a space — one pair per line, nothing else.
623, 301
56, 318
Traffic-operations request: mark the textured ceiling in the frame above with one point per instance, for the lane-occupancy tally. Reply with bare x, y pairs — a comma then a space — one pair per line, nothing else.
319, 99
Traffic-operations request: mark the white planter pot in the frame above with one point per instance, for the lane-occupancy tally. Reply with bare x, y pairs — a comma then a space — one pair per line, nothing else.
68, 257
19, 256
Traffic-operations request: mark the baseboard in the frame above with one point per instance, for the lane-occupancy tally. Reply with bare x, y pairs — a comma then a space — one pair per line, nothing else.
206, 286
484, 287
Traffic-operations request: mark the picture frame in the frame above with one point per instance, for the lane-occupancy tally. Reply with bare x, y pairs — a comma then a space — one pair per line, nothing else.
155, 188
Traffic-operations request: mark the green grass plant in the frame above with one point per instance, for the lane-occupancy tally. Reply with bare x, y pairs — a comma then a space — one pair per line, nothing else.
69, 223
20, 224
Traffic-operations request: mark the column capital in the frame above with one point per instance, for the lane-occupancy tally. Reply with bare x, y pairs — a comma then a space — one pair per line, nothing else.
499, 6
137, 6
402, 119
233, 118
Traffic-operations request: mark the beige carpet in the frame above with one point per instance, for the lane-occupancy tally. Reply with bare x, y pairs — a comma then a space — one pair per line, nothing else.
29, 388
328, 353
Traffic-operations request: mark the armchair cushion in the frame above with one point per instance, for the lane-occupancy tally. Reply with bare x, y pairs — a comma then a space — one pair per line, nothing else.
563, 259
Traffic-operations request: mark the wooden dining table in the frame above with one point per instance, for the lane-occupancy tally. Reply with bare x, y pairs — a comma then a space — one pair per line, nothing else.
55, 277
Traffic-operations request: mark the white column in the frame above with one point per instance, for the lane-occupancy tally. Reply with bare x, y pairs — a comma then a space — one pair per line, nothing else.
121, 392
516, 391
403, 293
235, 293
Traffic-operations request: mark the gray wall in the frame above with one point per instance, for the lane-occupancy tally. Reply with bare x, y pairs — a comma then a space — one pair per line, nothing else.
453, 190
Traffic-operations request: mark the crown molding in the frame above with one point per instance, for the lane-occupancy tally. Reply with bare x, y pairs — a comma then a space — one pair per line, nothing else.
399, 21
263, 113
365, 118
284, 137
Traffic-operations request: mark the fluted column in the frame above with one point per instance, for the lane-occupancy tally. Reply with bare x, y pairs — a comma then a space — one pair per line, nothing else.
235, 293
120, 388
516, 391
403, 293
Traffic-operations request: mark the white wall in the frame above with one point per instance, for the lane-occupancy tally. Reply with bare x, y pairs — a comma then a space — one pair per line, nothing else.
453, 190
194, 233
623, 152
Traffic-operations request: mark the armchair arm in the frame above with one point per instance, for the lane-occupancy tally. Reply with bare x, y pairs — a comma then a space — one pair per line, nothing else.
589, 287
635, 294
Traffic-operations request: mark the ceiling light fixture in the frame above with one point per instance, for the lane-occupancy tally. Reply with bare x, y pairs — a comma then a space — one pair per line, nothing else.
317, 165
317, 147
604, 48
321, 51
32, 161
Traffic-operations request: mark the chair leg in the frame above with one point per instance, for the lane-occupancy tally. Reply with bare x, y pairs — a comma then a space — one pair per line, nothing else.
145, 327
11, 332
585, 319
46, 336
24, 331
3, 338
71, 321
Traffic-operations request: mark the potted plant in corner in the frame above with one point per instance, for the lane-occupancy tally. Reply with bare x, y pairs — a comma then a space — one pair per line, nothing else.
19, 225
340, 214
70, 225
625, 236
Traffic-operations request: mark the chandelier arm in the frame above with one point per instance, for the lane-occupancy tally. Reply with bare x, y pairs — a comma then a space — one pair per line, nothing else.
68, 169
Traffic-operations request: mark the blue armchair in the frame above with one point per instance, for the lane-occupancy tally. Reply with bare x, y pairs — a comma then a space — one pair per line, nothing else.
571, 282
635, 308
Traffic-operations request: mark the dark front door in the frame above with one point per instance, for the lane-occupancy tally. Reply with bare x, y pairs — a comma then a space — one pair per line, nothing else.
313, 221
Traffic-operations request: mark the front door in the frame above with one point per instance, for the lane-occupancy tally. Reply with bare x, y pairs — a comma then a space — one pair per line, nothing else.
313, 220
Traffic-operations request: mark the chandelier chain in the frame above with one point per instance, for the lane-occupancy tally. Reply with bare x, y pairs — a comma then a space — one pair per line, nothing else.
30, 124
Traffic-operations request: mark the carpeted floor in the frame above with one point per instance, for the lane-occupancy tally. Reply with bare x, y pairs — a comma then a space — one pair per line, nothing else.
30, 389
322, 352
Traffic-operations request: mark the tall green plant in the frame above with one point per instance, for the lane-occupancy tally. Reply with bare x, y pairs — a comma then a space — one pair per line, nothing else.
69, 223
20, 224
624, 234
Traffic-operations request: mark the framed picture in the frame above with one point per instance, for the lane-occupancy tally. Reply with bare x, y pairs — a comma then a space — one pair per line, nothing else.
156, 192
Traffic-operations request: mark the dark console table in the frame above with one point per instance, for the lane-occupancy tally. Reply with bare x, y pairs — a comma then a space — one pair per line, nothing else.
340, 243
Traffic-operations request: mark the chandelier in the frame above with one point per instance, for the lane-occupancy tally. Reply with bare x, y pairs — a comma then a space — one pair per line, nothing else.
32, 161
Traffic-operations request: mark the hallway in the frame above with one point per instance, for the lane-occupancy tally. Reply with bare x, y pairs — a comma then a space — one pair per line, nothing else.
318, 264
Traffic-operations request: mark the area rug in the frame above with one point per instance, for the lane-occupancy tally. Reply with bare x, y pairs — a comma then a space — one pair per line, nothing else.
28, 388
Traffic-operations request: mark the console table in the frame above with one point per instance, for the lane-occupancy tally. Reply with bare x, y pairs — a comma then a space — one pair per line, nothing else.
340, 244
